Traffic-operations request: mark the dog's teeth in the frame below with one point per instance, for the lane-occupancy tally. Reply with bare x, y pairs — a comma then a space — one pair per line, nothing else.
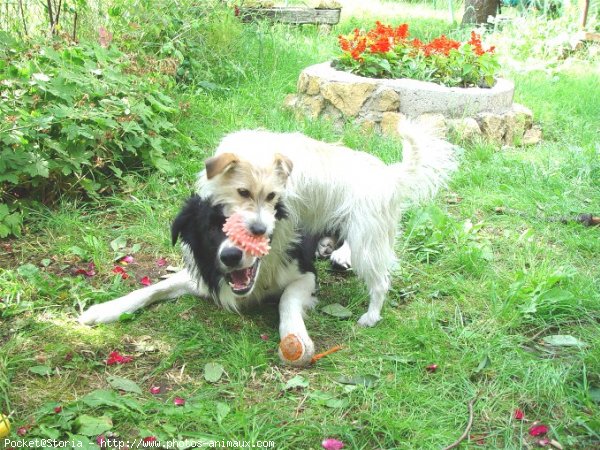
231, 284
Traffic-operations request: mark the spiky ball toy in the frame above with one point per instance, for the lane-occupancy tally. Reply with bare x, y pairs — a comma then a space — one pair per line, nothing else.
235, 229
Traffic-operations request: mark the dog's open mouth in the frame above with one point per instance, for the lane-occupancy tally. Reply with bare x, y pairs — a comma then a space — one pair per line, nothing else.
241, 281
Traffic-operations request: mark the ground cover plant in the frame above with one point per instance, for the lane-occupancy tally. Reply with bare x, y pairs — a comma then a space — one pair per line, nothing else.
496, 299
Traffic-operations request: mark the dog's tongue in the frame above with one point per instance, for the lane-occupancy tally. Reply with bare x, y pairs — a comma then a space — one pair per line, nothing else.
241, 278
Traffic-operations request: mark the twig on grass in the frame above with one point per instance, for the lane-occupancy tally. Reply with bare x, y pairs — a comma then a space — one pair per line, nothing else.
468, 427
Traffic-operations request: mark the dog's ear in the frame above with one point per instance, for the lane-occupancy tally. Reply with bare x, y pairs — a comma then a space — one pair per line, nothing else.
283, 164
219, 164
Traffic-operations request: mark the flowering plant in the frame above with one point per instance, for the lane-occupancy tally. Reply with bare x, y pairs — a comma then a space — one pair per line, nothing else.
388, 52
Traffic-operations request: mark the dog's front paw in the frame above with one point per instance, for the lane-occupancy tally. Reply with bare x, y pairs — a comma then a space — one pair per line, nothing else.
369, 319
102, 313
341, 259
296, 351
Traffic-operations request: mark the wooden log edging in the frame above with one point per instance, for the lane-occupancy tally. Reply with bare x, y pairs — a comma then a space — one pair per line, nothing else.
292, 15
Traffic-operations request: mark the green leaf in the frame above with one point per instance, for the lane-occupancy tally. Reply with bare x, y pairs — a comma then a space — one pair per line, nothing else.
118, 243
102, 397
358, 380
222, 410
337, 310
337, 403
93, 426
485, 362
213, 372
27, 270
126, 317
82, 442
297, 381
123, 384
41, 370
563, 340
594, 393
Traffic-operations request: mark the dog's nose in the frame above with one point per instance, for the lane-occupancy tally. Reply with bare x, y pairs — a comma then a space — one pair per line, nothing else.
231, 256
258, 228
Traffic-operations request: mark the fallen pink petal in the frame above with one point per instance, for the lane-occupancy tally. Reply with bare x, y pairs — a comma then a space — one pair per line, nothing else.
431, 368
89, 272
117, 358
519, 415
161, 262
58, 409
538, 430
543, 442
120, 271
149, 439
264, 337
155, 390
178, 401
332, 444
101, 440
22, 431
126, 259
146, 281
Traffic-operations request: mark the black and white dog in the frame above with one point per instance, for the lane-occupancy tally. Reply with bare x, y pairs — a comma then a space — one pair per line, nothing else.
217, 269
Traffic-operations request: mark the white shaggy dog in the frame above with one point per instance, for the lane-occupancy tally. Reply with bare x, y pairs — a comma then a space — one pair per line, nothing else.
330, 189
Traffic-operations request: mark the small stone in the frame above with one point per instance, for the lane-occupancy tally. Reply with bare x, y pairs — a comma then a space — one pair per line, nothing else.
347, 97
435, 123
523, 115
532, 136
308, 84
312, 105
390, 121
290, 101
492, 126
385, 100
368, 125
466, 128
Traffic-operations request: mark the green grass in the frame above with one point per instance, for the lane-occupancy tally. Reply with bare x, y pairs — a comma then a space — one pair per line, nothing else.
475, 293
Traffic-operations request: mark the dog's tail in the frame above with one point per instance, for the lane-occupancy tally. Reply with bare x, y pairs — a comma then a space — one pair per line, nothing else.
427, 162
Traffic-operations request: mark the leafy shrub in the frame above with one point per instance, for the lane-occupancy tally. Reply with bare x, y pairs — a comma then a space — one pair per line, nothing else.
200, 43
387, 52
74, 120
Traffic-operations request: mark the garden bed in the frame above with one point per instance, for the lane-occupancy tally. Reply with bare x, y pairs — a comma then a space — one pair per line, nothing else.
378, 104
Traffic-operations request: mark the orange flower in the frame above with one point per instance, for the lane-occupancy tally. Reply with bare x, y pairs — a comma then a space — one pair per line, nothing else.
441, 46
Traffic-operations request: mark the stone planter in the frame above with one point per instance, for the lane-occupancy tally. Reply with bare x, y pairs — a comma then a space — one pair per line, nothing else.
378, 104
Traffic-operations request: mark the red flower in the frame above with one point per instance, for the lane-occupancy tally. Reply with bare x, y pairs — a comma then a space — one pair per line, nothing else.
382, 45
120, 271
58, 409
475, 42
431, 368
101, 440
519, 415
178, 401
441, 46
538, 430
155, 390
146, 281
149, 439
117, 358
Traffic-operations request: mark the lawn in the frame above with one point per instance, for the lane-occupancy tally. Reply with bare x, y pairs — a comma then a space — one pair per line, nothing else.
489, 275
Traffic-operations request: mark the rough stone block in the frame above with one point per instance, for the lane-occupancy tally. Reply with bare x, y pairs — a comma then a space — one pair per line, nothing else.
347, 97
435, 123
532, 136
384, 100
466, 128
390, 121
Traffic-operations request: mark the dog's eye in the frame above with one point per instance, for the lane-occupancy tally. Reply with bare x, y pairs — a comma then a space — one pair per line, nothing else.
244, 193
271, 196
